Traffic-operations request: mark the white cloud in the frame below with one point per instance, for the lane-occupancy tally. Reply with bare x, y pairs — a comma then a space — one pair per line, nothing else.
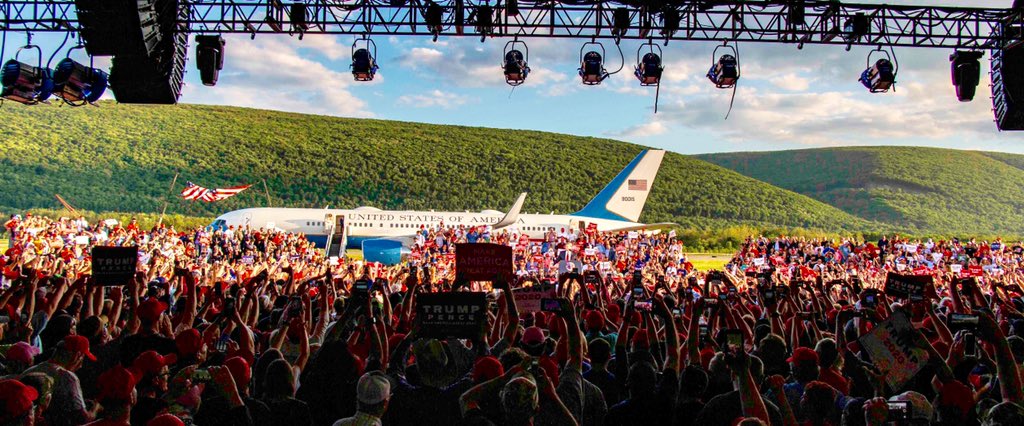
652, 128
270, 72
432, 99
791, 82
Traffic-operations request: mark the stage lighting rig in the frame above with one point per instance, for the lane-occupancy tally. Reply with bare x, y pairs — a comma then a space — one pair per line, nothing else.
516, 67
78, 84
880, 76
725, 72
24, 83
434, 17
856, 26
966, 73
591, 69
484, 20
364, 59
620, 23
670, 20
209, 58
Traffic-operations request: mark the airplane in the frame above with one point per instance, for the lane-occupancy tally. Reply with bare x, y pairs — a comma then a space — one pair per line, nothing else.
616, 208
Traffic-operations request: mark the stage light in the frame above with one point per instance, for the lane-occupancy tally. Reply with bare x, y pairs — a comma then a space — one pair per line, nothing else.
966, 73
725, 72
670, 20
649, 68
434, 17
796, 13
24, 83
209, 57
620, 23
484, 21
879, 76
364, 59
297, 17
516, 67
78, 84
591, 69
856, 27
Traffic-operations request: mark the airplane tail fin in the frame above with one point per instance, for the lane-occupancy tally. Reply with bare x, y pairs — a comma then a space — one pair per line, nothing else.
625, 196
513, 213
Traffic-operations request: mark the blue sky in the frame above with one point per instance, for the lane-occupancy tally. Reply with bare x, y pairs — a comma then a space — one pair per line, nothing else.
787, 98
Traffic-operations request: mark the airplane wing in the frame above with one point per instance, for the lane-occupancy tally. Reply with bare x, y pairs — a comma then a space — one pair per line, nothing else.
513, 213
648, 227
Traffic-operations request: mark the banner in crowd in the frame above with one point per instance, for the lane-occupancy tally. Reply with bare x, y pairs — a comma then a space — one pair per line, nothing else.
483, 261
114, 266
460, 314
892, 349
901, 285
528, 298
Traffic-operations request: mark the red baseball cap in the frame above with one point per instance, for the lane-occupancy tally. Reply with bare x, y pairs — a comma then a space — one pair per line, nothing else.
151, 309
165, 420
803, 354
594, 320
22, 352
487, 368
79, 344
239, 369
189, 342
533, 336
17, 398
117, 383
151, 362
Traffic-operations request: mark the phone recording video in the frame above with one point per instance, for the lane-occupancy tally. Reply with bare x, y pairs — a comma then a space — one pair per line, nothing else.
870, 300
552, 305
638, 290
362, 286
970, 344
899, 413
642, 306
959, 322
730, 340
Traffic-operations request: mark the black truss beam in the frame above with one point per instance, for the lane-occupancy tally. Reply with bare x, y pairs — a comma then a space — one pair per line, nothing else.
780, 21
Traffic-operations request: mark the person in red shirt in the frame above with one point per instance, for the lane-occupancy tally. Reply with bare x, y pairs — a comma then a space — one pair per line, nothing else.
830, 363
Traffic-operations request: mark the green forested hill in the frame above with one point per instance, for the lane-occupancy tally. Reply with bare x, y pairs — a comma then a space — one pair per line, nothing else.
122, 158
926, 190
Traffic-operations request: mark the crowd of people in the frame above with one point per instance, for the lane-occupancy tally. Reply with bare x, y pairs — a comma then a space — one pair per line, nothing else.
254, 326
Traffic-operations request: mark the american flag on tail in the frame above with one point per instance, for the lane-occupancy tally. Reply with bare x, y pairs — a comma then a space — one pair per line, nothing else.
196, 192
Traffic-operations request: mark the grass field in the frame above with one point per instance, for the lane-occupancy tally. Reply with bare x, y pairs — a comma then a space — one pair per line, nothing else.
708, 261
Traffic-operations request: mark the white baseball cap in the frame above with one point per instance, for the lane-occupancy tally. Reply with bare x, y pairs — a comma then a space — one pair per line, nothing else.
373, 388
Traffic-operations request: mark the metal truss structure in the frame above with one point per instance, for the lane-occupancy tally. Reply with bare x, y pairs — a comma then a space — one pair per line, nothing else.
780, 21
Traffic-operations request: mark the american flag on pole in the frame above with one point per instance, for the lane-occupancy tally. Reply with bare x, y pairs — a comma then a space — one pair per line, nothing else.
196, 192
637, 184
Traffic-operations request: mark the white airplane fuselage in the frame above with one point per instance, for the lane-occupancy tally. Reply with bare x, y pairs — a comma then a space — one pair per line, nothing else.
617, 207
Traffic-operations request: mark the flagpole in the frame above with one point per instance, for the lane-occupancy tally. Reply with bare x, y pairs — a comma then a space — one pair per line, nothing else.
265, 189
171, 190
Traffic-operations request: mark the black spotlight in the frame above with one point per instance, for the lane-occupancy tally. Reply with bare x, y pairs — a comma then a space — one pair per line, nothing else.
966, 73
78, 84
24, 83
209, 57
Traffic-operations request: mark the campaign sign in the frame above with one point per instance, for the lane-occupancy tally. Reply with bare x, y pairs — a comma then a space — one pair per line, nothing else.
975, 271
528, 298
114, 266
900, 285
892, 350
483, 261
460, 315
